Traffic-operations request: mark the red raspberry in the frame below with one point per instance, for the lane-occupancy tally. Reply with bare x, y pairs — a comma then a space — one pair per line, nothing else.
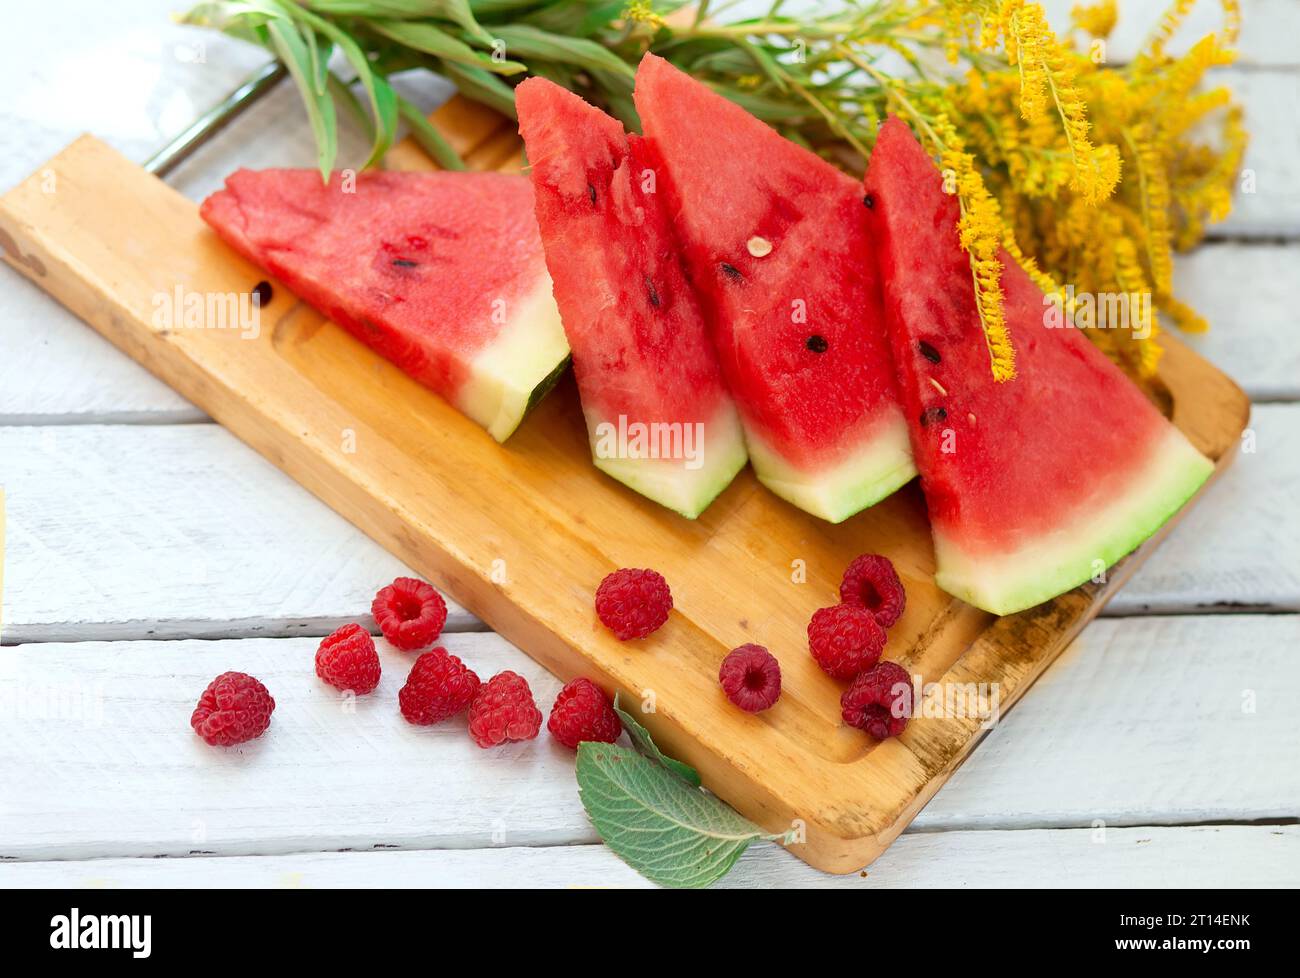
751, 678
879, 701
234, 708
845, 639
633, 603
348, 660
504, 710
872, 583
410, 613
581, 712
439, 687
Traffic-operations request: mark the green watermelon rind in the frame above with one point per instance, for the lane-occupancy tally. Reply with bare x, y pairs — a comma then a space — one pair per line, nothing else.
509, 376
1052, 565
663, 482
547, 385
880, 466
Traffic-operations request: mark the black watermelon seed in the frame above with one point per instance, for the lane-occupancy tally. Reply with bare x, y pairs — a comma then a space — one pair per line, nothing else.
261, 294
869, 201
653, 292
927, 351
817, 344
405, 263
933, 414
732, 272
591, 192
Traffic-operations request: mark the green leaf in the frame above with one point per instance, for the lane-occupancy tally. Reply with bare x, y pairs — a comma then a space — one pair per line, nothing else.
668, 831
644, 744
766, 62
617, 92
383, 103
769, 110
577, 19
293, 51
456, 11
430, 140
488, 8
320, 59
562, 75
529, 42
482, 87
430, 40
342, 92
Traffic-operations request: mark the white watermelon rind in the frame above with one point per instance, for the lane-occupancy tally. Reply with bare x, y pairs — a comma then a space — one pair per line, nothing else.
509, 375
1053, 564
876, 469
669, 482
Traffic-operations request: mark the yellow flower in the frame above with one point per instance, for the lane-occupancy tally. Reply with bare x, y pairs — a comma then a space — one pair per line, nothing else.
1097, 20
981, 232
643, 12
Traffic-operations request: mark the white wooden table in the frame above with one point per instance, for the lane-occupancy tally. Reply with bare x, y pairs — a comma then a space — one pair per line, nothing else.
148, 550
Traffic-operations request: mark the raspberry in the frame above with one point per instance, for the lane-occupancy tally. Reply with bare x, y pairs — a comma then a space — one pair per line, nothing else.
581, 712
410, 613
751, 678
845, 639
872, 583
504, 710
348, 660
879, 701
439, 686
234, 708
633, 603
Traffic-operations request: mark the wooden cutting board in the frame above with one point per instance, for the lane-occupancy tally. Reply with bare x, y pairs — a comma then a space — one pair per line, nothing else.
521, 533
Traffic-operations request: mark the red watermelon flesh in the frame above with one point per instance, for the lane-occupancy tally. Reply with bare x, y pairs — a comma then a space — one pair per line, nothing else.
776, 241
442, 273
1034, 485
641, 355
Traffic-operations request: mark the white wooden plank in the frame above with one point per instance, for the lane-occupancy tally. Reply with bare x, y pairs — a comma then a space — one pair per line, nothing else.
54, 369
1218, 857
1244, 292
1267, 27
103, 761
1238, 548
135, 532
135, 78
1272, 103
127, 72
1144, 720
1140, 722
127, 531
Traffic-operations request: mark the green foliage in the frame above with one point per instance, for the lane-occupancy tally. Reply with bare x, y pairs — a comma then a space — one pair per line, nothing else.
651, 811
787, 71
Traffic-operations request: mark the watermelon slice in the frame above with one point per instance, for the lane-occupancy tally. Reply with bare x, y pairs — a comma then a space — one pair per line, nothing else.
641, 355
442, 273
776, 241
1034, 485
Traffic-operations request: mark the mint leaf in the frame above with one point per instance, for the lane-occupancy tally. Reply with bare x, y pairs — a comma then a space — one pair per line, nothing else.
642, 741
667, 830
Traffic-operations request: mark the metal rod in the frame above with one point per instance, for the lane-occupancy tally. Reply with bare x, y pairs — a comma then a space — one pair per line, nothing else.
214, 120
